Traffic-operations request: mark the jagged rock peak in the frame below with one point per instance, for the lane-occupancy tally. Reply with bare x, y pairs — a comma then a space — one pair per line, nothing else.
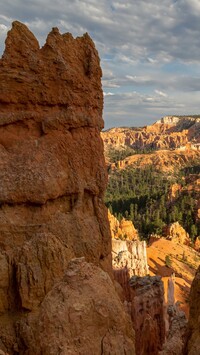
20, 41
63, 74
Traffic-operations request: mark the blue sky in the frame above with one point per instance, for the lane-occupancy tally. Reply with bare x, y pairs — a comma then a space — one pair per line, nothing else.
150, 50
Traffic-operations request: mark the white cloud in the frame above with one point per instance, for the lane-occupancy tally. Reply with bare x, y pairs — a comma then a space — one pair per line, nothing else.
160, 93
149, 49
108, 94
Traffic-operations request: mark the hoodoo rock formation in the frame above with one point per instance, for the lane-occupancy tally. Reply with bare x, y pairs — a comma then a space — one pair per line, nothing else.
123, 229
176, 233
169, 132
131, 255
52, 180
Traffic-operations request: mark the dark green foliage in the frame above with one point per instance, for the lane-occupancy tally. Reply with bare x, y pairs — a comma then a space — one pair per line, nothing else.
168, 261
142, 195
117, 155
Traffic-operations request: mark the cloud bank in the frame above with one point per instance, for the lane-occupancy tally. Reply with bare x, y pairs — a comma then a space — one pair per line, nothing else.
149, 50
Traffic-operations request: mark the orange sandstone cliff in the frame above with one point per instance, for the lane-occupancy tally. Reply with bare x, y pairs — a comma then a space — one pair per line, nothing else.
56, 295
123, 229
168, 133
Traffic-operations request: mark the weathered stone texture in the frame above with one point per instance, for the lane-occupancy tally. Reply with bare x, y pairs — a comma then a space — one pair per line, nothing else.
147, 312
80, 316
52, 181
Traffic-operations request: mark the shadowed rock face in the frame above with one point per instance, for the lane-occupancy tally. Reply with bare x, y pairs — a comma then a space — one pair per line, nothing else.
80, 316
147, 296
52, 174
193, 345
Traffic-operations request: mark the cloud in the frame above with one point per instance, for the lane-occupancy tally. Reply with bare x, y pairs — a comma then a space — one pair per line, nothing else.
160, 93
108, 94
149, 49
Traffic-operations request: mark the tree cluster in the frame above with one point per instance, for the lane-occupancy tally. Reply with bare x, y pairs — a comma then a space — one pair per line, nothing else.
142, 195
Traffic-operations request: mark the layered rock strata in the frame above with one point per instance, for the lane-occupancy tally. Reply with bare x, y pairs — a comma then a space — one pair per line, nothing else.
128, 258
52, 181
168, 133
130, 254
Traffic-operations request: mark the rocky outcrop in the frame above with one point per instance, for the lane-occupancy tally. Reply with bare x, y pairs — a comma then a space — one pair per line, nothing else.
197, 244
167, 161
173, 191
130, 254
128, 230
123, 229
193, 344
176, 233
53, 178
171, 144
176, 323
175, 342
128, 258
79, 316
147, 312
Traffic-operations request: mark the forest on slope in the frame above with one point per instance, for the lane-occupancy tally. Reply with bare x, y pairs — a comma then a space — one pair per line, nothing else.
143, 196
154, 187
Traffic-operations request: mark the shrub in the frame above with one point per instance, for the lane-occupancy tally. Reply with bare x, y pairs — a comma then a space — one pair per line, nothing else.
168, 261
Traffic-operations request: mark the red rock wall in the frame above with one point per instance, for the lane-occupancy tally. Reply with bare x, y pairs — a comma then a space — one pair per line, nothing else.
52, 180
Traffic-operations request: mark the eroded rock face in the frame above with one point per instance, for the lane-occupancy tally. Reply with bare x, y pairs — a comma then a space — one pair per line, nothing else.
52, 168
176, 323
130, 254
176, 233
52, 180
169, 132
80, 316
147, 312
175, 342
123, 229
128, 258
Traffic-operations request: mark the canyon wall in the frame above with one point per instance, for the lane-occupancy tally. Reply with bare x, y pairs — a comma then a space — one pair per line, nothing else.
168, 133
52, 181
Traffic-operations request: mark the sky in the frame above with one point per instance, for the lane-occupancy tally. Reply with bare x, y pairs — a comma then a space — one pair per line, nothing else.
149, 50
